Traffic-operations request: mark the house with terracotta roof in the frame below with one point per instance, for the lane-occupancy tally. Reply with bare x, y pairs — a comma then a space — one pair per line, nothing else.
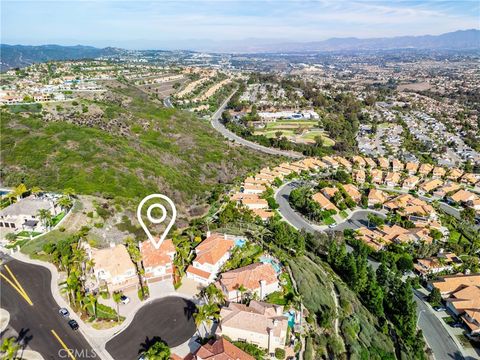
353, 192
253, 189
359, 161
220, 349
397, 165
446, 189
112, 267
425, 169
469, 178
158, 263
263, 214
377, 176
253, 203
329, 192
359, 176
331, 162
429, 186
210, 255
324, 202
410, 182
454, 174
438, 172
344, 162
441, 262
258, 278
376, 197
370, 163
462, 296
258, 323
411, 168
392, 179
383, 163
462, 196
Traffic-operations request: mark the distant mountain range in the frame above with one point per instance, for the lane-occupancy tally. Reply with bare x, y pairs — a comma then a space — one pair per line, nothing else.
13, 56
457, 40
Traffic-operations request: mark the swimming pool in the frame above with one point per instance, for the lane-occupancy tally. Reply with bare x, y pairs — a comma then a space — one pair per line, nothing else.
240, 242
276, 266
291, 318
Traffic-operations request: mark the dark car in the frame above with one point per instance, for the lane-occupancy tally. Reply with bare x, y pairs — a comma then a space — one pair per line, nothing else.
73, 324
457, 325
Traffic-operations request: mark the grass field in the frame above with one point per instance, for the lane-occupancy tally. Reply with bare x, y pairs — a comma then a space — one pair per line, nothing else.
166, 150
291, 130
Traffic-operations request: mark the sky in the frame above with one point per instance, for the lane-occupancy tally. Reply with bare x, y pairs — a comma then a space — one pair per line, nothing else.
183, 24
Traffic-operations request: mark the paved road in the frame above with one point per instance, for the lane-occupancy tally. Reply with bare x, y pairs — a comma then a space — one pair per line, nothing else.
169, 319
435, 334
36, 322
217, 125
437, 337
167, 102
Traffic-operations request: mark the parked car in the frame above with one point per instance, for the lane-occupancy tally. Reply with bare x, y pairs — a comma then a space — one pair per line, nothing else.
439, 308
124, 299
73, 324
64, 312
457, 325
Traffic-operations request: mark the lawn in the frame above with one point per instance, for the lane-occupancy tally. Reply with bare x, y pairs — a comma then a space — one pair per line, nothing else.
57, 218
328, 221
27, 234
343, 214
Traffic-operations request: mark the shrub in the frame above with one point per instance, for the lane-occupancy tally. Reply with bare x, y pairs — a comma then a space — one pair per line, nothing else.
280, 353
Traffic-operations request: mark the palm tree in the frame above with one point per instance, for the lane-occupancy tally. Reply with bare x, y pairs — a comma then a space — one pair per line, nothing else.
69, 192
136, 256
158, 351
88, 301
65, 203
208, 221
241, 289
117, 297
213, 294
35, 190
10, 348
205, 315
45, 216
19, 191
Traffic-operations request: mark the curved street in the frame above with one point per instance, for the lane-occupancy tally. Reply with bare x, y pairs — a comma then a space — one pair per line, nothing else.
217, 125
168, 319
36, 324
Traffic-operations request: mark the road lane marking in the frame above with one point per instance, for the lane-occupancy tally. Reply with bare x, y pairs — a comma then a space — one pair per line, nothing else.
18, 288
63, 344
15, 280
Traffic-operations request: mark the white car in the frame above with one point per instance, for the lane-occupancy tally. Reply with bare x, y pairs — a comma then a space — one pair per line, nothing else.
124, 299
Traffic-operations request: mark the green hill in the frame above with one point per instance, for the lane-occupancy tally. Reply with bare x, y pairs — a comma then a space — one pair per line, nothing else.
134, 148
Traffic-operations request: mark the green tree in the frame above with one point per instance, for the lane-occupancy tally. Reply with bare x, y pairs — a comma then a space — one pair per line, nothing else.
45, 217
158, 351
90, 301
205, 315
435, 297
117, 298
136, 256
65, 202
9, 348
468, 215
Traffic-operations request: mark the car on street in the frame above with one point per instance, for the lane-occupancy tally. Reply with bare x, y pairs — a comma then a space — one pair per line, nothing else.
64, 312
124, 299
439, 308
457, 325
73, 324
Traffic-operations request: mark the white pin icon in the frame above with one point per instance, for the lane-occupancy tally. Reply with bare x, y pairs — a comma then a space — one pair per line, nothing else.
153, 220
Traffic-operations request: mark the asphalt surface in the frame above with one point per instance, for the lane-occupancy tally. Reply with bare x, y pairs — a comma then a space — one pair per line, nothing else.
438, 339
34, 323
217, 125
169, 319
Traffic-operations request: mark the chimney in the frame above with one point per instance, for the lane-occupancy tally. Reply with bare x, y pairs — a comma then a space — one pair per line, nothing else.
262, 289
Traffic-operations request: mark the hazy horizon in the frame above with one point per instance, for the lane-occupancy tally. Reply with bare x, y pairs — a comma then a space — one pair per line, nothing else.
190, 25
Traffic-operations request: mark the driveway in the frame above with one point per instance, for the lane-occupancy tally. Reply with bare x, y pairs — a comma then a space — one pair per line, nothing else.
169, 319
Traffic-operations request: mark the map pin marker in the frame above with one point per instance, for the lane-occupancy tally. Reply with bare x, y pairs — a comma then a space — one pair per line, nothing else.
153, 220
